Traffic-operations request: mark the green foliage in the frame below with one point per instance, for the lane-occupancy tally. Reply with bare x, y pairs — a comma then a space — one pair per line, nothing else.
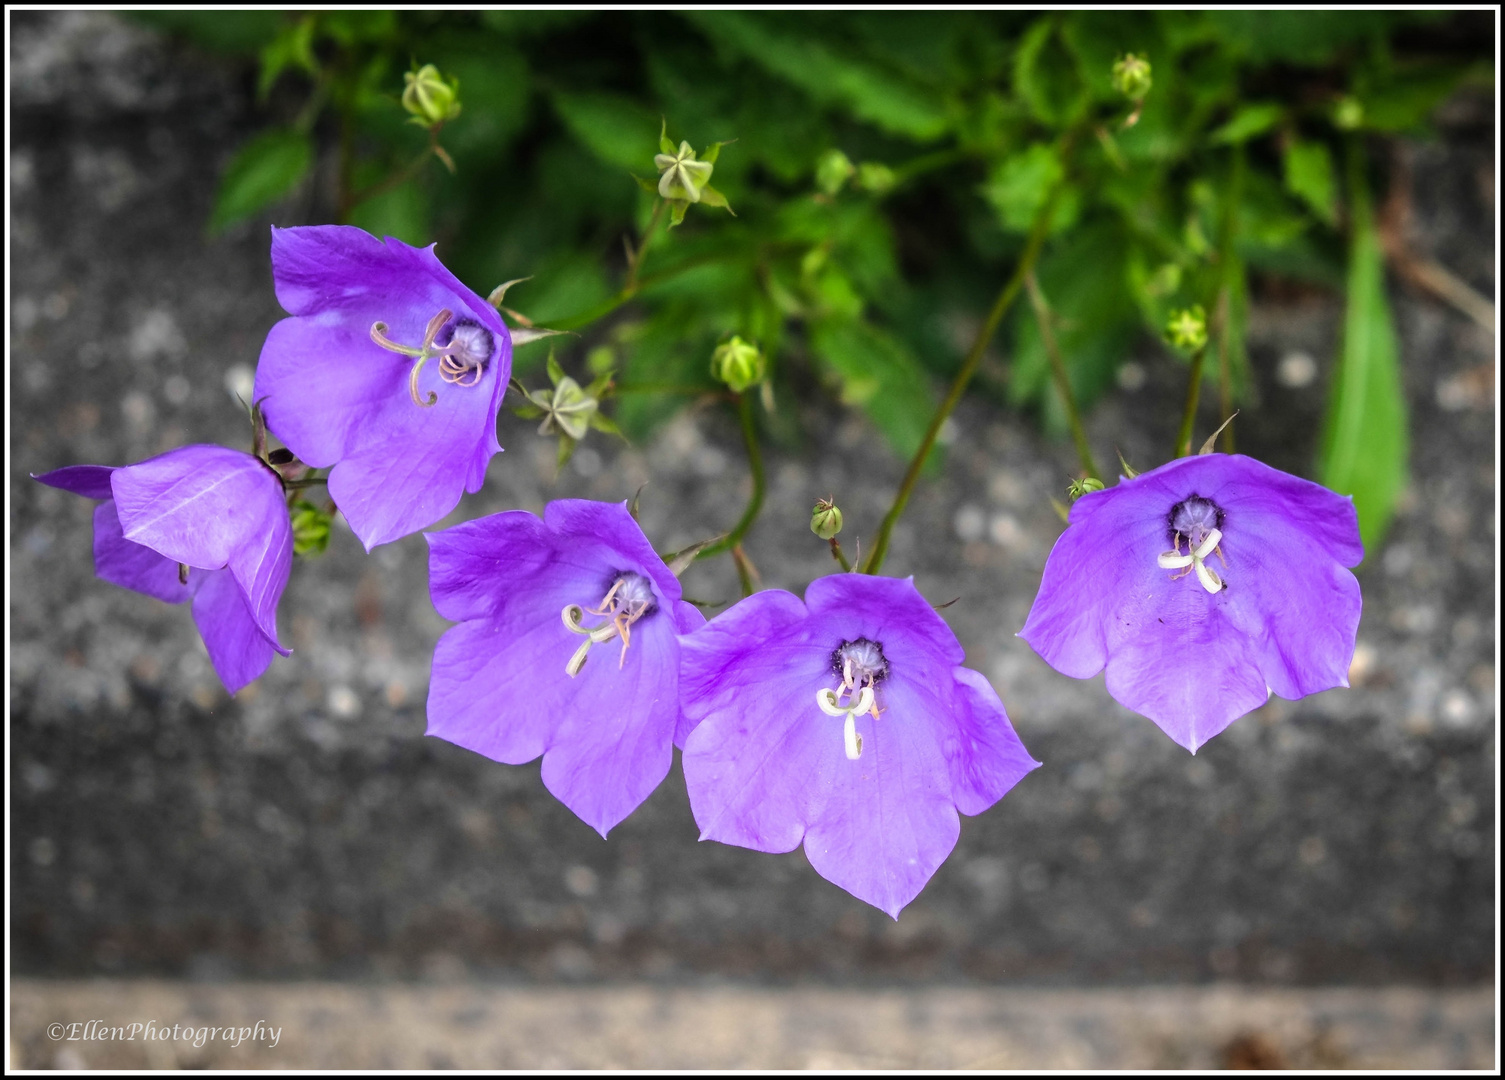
264, 170
887, 168
1365, 438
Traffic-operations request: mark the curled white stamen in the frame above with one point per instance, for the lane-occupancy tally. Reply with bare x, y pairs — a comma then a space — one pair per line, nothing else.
620, 613
1194, 560
830, 702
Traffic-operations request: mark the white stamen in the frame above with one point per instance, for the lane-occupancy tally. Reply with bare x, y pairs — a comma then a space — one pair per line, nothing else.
1174, 560
850, 737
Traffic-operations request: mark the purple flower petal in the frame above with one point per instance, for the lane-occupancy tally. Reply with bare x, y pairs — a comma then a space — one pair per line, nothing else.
130, 565
238, 649
769, 763
890, 820
211, 507
1192, 660
500, 683
338, 399
90, 481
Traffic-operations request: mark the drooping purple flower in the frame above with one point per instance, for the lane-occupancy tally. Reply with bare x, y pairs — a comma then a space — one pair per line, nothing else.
389, 370
568, 646
1203, 586
216, 512
844, 721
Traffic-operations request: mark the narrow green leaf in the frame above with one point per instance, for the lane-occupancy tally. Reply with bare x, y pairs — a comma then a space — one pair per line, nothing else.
1365, 442
1249, 121
1309, 176
616, 129
263, 171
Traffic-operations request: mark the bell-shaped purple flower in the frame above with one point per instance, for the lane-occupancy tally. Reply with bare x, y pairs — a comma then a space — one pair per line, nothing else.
568, 646
389, 370
217, 513
1203, 586
847, 723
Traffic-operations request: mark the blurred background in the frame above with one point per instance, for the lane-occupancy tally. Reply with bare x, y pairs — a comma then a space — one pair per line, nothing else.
1315, 887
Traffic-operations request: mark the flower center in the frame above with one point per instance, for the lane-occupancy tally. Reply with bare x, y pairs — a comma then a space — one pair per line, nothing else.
463, 346
861, 666
1198, 521
628, 600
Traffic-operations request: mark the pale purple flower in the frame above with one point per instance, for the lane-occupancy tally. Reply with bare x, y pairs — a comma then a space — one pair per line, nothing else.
847, 723
389, 370
1203, 586
218, 513
568, 646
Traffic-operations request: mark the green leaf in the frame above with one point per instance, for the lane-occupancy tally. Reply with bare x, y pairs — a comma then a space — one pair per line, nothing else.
665, 144
1365, 439
1249, 121
617, 129
1045, 76
263, 171
402, 212
831, 74
601, 422
292, 47
879, 374
1020, 185
1309, 176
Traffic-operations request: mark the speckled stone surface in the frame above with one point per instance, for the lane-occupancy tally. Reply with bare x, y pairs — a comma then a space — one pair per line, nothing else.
308, 828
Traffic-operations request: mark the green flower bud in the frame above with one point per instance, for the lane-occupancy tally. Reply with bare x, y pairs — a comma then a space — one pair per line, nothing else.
567, 407
680, 175
310, 528
875, 177
1078, 488
739, 364
1188, 329
1348, 114
1131, 77
825, 519
832, 171
430, 97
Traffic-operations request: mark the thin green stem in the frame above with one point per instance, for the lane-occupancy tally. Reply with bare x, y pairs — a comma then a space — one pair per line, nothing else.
1223, 311
746, 572
839, 555
1193, 392
732, 540
1058, 370
400, 177
635, 260
963, 377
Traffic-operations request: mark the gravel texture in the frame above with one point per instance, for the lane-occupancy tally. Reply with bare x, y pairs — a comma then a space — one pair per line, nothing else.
307, 828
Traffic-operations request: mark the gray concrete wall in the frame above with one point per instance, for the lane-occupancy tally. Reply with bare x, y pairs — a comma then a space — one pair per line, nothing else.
307, 827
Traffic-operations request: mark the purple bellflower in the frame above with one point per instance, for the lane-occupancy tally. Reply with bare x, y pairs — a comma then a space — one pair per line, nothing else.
1203, 586
537, 599
346, 382
200, 523
847, 723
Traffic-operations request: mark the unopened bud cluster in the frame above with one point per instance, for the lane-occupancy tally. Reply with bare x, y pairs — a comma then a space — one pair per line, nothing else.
430, 97
1188, 329
739, 364
825, 519
1131, 77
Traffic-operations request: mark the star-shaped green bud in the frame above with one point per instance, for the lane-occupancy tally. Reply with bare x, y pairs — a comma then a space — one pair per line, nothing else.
1131, 77
681, 176
1188, 329
430, 97
739, 364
